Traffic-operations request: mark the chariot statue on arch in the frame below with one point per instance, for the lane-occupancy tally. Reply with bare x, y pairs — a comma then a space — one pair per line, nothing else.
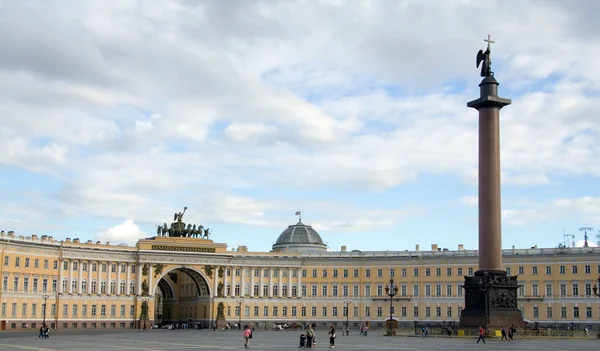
179, 229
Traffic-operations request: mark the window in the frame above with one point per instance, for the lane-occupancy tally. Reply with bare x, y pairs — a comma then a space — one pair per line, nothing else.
588, 289
403, 311
123, 268
427, 272
521, 270
367, 311
459, 271
574, 269
335, 273
549, 312
275, 272
562, 269
94, 267
588, 312
122, 310
65, 310
392, 273
345, 290
563, 289
103, 310
438, 290
549, 289
74, 310
416, 311
534, 270
379, 273
66, 265
536, 313
284, 311
55, 264
448, 311
534, 290
459, 290
355, 290
368, 273
133, 268
403, 290
103, 267
33, 309
563, 312
415, 290
113, 268
470, 271
438, 311
26, 262
324, 290
132, 310
84, 266
575, 312
415, 272
548, 269
74, 285
83, 310
16, 284
575, 289
313, 311
6, 259
427, 311
403, 272
314, 273
379, 290
521, 290
508, 270
356, 272
345, 273
438, 272
379, 311
334, 311
17, 261
448, 289
24, 310
427, 290
588, 269
303, 311
45, 264
324, 273
25, 284
449, 272
368, 291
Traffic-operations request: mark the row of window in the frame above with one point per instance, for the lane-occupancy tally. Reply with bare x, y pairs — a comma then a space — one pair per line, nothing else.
438, 271
563, 313
448, 290
83, 325
76, 287
74, 265
75, 310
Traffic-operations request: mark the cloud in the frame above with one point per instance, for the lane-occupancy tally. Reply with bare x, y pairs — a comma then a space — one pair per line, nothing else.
127, 233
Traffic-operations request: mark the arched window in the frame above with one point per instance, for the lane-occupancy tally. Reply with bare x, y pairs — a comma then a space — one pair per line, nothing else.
74, 285
132, 287
94, 290
84, 286
275, 289
113, 287
228, 290
294, 290
256, 289
103, 287
284, 289
64, 285
246, 289
237, 288
122, 287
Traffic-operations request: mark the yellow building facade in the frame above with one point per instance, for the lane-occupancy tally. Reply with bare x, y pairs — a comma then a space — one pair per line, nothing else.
75, 285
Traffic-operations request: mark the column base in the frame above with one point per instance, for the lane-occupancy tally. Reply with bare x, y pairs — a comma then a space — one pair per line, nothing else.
501, 299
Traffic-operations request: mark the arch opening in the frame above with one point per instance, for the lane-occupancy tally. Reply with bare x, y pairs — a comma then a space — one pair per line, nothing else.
182, 295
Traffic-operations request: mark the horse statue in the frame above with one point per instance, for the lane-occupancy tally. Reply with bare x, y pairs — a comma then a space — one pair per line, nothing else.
193, 232
188, 231
158, 230
207, 233
165, 230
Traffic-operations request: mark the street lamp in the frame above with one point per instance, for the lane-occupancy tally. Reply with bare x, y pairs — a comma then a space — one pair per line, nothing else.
485, 285
240, 301
46, 296
391, 291
595, 288
145, 309
347, 302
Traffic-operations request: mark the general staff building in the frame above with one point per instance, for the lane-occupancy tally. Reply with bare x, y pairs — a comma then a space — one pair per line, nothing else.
75, 285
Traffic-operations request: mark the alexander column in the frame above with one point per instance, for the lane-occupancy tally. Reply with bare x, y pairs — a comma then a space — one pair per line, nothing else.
490, 295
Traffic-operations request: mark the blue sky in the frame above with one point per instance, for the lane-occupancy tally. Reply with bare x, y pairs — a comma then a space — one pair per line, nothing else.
113, 116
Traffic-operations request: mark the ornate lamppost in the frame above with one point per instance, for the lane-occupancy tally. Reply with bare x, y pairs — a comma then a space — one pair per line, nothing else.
45, 297
595, 288
145, 309
347, 302
391, 291
485, 285
240, 301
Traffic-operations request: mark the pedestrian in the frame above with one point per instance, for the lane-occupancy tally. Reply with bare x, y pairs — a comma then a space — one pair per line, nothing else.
332, 337
41, 335
511, 333
310, 334
481, 335
362, 329
503, 332
247, 336
585, 332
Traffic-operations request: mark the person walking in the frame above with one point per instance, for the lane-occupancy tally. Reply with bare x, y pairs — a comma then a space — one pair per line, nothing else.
481, 335
41, 335
247, 336
585, 332
503, 332
310, 334
332, 337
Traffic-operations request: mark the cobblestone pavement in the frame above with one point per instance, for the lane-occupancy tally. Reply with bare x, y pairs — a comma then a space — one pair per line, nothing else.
159, 340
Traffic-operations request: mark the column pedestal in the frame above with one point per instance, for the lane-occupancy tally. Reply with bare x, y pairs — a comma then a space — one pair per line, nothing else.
501, 299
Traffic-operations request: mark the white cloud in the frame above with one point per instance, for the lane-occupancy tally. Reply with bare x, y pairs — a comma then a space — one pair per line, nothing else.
127, 233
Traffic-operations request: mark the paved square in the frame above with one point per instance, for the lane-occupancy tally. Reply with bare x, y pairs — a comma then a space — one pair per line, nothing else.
159, 340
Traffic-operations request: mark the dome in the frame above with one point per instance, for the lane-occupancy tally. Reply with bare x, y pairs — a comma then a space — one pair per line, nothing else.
299, 237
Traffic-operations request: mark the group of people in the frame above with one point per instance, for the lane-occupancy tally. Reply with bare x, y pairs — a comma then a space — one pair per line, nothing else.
511, 334
44, 332
309, 340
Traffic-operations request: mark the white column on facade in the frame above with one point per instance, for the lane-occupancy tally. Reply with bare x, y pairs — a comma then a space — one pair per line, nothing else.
61, 276
127, 278
270, 282
89, 283
150, 292
280, 282
70, 284
262, 281
242, 281
119, 278
216, 281
139, 277
299, 287
232, 271
252, 281
289, 292
80, 277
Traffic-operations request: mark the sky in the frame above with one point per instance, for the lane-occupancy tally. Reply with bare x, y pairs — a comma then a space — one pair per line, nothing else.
116, 114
